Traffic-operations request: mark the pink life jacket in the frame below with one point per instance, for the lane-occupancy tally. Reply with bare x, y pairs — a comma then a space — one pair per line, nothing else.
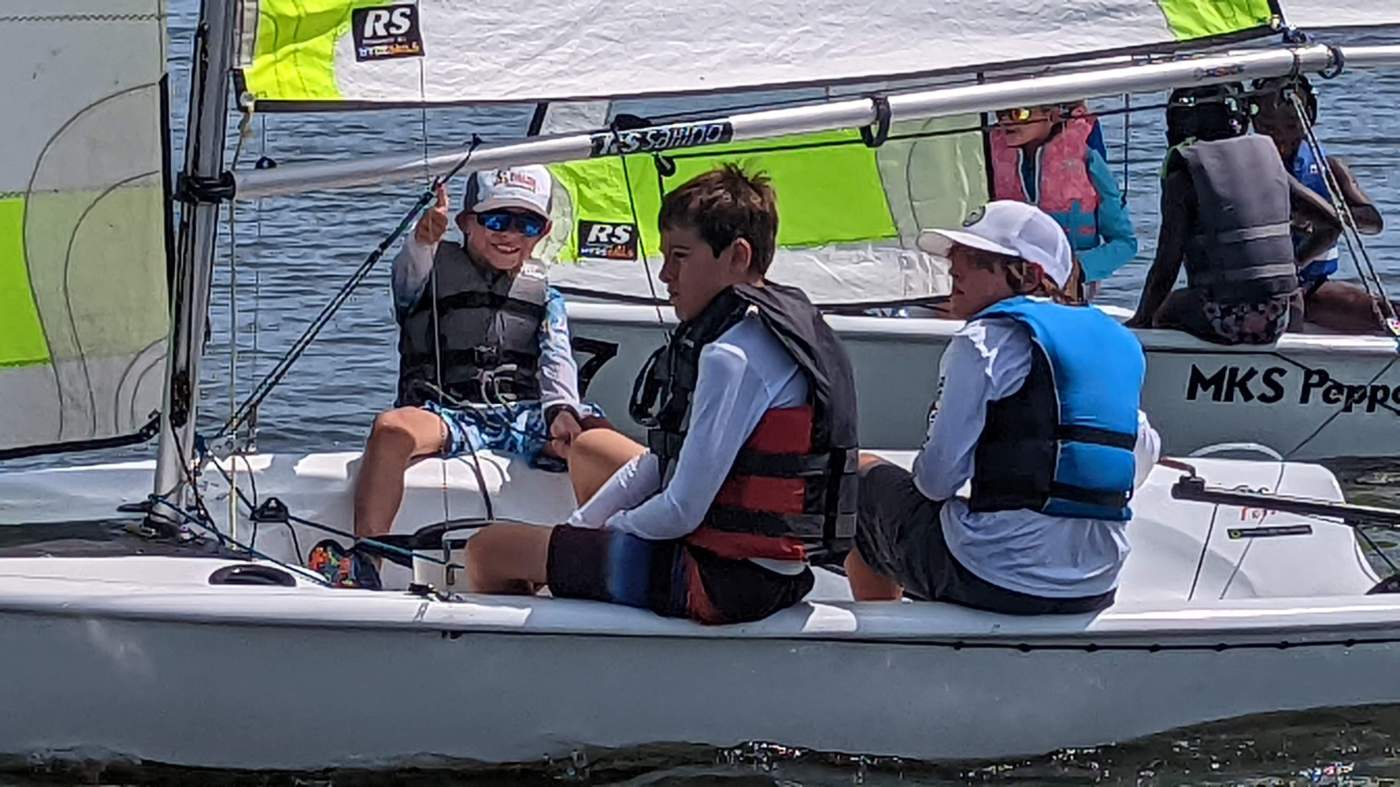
1065, 190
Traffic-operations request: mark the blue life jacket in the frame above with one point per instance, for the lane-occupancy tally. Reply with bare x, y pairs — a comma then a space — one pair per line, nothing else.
1308, 170
1063, 444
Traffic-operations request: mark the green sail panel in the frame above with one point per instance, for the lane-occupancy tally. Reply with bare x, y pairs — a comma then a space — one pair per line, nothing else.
21, 333
1194, 19
849, 214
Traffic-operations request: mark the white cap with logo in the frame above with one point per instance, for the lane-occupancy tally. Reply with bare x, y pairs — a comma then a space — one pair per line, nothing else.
1011, 228
528, 188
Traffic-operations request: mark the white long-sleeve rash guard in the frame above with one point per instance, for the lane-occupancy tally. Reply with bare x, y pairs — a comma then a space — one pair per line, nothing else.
742, 374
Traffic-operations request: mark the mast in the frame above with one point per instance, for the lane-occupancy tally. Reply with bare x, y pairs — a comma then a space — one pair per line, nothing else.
198, 189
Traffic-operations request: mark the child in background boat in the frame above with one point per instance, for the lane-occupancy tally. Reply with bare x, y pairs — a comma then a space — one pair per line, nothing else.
1052, 157
752, 451
1227, 204
1038, 407
1337, 305
507, 380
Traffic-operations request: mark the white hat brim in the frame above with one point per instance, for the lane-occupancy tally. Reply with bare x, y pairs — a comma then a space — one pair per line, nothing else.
496, 203
941, 242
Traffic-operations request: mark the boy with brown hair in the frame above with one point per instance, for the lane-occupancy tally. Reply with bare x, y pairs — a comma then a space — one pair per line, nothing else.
749, 469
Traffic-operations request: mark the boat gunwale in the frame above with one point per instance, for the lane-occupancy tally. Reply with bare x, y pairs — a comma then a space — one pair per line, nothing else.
1271, 623
934, 329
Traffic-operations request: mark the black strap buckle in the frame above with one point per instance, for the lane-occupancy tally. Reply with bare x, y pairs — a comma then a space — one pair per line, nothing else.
646, 390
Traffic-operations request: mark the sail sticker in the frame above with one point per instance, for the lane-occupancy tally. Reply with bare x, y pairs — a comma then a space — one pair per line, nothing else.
1274, 384
607, 240
386, 32
659, 138
1236, 533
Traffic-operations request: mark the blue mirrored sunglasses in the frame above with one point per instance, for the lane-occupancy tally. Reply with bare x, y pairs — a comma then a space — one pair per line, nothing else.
528, 224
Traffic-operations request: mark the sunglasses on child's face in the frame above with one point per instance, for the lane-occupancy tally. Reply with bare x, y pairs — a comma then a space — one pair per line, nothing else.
1017, 115
527, 224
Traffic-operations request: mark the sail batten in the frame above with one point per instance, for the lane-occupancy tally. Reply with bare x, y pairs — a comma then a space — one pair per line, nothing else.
345, 54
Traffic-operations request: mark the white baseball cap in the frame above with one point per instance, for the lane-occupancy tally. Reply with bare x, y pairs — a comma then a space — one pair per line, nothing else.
528, 188
1015, 229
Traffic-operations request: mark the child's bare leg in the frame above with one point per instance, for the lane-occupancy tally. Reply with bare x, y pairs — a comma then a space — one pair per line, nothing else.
595, 456
508, 559
397, 438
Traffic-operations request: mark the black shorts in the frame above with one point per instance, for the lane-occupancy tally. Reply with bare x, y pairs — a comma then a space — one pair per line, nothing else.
670, 578
900, 535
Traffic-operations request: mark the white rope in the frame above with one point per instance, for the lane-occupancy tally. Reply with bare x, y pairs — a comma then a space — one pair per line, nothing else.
244, 131
433, 284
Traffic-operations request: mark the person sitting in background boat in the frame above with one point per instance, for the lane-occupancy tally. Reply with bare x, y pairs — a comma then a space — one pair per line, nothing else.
1052, 157
1227, 205
752, 450
1336, 305
507, 380
1038, 407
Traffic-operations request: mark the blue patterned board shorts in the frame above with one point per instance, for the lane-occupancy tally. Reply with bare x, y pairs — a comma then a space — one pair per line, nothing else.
512, 428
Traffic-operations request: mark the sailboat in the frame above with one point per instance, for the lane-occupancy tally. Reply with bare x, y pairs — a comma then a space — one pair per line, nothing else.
157, 610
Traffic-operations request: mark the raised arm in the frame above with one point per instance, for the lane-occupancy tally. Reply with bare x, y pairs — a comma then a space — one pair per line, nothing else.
414, 262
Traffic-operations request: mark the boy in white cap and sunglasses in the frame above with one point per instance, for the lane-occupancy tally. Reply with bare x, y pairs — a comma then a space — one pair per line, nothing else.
484, 354
1038, 409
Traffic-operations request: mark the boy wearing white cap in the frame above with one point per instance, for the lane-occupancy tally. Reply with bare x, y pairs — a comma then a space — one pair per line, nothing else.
484, 354
1038, 409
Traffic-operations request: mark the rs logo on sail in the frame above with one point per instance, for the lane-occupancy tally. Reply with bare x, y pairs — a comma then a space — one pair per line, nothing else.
386, 32
382, 22
1231, 384
607, 241
659, 138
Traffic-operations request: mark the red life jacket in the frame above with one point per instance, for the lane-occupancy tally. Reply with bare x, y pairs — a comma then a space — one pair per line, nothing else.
791, 493
1064, 186
785, 431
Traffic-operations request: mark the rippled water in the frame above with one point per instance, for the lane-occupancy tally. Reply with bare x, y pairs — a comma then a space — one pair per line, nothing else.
294, 252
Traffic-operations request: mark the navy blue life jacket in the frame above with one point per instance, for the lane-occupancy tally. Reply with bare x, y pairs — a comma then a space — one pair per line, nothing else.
1308, 170
1063, 443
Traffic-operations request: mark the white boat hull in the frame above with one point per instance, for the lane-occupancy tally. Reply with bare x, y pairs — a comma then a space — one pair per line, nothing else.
1308, 397
311, 678
140, 656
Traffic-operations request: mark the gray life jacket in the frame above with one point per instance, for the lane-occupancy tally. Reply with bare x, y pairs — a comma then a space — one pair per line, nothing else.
1243, 247
486, 331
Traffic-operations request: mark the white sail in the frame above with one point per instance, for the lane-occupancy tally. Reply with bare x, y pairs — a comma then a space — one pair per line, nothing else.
1313, 15
83, 306
454, 51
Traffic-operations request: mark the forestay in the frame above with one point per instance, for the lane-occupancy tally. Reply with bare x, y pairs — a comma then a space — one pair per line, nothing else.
332, 53
83, 305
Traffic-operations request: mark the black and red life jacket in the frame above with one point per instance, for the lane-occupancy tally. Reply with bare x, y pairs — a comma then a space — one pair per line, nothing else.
791, 493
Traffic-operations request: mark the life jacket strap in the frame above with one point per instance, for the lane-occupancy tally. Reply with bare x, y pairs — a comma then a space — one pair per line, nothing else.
1276, 230
1208, 278
1092, 434
1093, 497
